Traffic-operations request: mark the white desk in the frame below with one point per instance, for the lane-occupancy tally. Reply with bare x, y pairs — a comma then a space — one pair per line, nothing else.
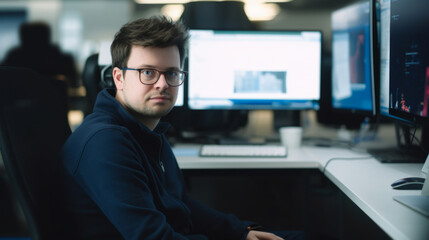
365, 181
305, 157
367, 184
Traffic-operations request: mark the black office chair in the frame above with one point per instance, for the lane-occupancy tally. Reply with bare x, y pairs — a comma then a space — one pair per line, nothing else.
33, 128
96, 77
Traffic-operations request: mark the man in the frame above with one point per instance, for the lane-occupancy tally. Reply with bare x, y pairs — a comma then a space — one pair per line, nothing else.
122, 180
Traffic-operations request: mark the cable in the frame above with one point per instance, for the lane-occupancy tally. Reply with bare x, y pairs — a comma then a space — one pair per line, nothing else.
413, 136
344, 158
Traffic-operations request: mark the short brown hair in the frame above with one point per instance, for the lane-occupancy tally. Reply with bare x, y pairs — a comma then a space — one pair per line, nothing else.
157, 31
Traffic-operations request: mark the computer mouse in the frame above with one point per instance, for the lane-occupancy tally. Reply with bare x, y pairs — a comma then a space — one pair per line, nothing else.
409, 183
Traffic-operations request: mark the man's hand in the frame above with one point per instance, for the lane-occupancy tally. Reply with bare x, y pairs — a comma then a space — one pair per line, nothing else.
257, 235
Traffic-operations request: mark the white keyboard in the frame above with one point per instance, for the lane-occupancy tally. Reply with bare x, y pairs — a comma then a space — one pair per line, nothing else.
243, 151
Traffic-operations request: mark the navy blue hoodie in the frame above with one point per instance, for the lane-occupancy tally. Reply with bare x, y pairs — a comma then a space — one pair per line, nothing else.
122, 181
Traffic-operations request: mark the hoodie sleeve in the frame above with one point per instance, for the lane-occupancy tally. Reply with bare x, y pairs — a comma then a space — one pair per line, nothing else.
215, 224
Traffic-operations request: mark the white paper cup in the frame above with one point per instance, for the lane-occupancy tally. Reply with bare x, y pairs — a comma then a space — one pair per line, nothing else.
291, 137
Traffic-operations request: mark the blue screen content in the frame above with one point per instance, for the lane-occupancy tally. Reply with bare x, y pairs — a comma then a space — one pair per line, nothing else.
254, 69
352, 73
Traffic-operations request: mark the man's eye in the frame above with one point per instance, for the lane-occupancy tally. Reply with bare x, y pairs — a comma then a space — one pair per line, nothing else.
172, 73
147, 73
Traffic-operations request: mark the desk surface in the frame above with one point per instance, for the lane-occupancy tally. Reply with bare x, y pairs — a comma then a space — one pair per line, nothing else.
362, 178
367, 184
305, 157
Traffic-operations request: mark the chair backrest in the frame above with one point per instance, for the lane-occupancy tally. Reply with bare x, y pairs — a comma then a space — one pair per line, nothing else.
91, 79
95, 77
33, 128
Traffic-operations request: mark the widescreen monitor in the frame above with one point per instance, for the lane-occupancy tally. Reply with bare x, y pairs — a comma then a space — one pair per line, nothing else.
384, 32
352, 59
404, 77
249, 70
409, 60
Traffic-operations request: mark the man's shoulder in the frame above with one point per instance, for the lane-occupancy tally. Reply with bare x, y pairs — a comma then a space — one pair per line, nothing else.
97, 138
92, 126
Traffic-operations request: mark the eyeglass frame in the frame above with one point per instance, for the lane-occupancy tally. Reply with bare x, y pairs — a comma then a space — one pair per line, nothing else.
139, 70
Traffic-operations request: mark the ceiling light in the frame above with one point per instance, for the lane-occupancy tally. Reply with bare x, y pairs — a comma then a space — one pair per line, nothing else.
173, 10
261, 11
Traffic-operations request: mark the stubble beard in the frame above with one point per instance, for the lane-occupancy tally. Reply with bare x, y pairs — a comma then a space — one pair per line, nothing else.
151, 111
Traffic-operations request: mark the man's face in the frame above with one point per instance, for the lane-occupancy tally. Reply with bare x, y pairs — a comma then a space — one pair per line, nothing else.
148, 102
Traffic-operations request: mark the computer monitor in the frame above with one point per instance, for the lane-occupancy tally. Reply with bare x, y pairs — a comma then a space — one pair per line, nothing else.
249, 70
384, 33
353, 88
409, 60
397, 76
409, 64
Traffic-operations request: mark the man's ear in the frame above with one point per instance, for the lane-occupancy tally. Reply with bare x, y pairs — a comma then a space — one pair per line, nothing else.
118, 78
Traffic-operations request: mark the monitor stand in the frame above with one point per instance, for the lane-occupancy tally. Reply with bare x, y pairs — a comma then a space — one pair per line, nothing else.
404, 152
259, 126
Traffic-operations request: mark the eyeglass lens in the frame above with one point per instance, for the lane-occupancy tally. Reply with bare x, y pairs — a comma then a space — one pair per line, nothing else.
150, 76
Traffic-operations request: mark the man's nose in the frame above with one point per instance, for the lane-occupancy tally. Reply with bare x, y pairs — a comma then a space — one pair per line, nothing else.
162, 82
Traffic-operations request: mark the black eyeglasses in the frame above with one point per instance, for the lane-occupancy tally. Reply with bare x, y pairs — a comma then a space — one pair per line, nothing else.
149, 76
